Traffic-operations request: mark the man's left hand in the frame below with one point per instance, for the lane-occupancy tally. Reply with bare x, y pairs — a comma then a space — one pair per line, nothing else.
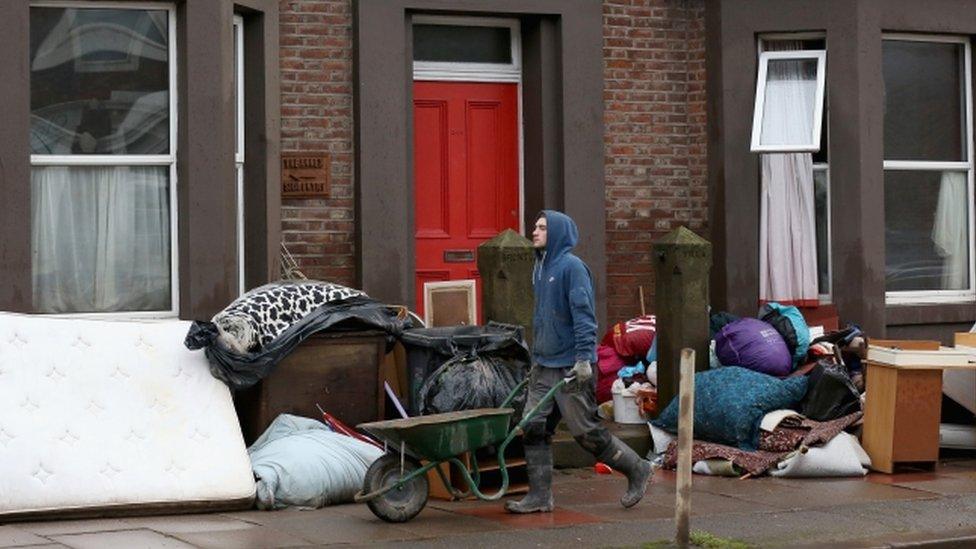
583, 372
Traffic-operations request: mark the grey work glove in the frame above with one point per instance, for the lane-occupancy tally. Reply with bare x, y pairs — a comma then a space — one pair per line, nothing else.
583, 372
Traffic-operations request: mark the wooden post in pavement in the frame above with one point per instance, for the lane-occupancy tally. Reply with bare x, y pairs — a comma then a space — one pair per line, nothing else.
686, 422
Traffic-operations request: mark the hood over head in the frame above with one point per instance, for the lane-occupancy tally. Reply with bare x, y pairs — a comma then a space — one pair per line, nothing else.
561, 234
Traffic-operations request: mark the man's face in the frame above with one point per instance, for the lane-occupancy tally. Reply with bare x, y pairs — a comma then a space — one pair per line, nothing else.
539, 234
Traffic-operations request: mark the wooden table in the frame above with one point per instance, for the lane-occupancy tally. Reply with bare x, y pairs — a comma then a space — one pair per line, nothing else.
902, 414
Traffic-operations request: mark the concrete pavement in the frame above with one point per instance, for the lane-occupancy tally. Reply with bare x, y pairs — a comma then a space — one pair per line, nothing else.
905, 509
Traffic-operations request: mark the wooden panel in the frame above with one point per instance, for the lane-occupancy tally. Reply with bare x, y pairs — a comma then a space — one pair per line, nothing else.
485, 150
966, 339
907, 344
879, 416
918, 407
901, 415
427, 275
339, 372
431, 172
450, 307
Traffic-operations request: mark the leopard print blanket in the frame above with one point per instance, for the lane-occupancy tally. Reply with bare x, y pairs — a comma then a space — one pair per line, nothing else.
258, 317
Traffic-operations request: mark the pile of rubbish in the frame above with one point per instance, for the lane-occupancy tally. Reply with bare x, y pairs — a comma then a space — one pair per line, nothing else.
627, 370
305, 462
298, 461
246, 340
775, 400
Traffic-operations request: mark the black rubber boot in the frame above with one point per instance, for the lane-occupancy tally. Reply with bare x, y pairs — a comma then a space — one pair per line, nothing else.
538, 460
619, 456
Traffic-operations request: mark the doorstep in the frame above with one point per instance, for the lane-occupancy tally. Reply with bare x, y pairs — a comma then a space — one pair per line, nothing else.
567, 453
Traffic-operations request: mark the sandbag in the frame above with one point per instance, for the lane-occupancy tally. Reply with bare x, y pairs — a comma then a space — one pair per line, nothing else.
831, 392
299, 462
472, 381
791, 325
755, 345
842, 456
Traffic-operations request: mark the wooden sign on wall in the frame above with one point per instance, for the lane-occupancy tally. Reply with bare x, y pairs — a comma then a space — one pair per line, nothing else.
305, 175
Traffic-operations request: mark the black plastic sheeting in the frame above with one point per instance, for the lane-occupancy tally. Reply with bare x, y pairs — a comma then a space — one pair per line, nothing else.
486, 364
830, 392
350, 315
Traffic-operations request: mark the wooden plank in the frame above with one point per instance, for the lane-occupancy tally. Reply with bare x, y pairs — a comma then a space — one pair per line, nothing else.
686, 421
966, 339
908, 344
971, 366
879, 415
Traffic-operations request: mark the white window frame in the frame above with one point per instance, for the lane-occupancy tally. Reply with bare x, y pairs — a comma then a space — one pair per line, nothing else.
823, 298
944, 296
820, 56
238, 26
168, 160
471, 72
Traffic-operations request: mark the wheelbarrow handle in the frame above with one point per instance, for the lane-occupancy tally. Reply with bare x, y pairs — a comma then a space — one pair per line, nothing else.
525, 382
529, 414
511, 396
526, 417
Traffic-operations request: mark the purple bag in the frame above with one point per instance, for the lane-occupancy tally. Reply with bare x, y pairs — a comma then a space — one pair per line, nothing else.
753, 344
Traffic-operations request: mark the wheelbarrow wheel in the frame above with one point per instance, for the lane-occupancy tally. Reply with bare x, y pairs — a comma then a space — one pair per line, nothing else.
399, 504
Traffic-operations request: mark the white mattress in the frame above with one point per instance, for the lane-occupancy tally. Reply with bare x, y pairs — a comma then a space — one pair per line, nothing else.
99, 414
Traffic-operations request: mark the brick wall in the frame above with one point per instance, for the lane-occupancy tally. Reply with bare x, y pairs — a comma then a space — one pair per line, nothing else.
654, 100
655, 134
316, 115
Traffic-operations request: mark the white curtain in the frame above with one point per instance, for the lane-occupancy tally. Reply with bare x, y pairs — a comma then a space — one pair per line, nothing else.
787, 241
950, 231
101, 238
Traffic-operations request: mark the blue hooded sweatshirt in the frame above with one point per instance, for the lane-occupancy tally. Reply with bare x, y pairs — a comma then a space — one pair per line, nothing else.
564, 323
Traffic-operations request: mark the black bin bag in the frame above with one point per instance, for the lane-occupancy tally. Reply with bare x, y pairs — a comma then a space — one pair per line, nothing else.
486, 364
830, 392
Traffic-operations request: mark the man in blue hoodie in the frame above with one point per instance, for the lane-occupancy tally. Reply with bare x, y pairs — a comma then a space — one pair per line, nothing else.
564, 345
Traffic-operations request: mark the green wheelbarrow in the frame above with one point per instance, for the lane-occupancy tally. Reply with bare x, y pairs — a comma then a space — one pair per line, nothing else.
396, 487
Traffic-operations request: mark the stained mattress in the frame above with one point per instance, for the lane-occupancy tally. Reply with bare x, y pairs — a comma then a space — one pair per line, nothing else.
102, 415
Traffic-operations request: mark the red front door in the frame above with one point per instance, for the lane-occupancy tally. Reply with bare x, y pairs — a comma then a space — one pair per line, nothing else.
466, 162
